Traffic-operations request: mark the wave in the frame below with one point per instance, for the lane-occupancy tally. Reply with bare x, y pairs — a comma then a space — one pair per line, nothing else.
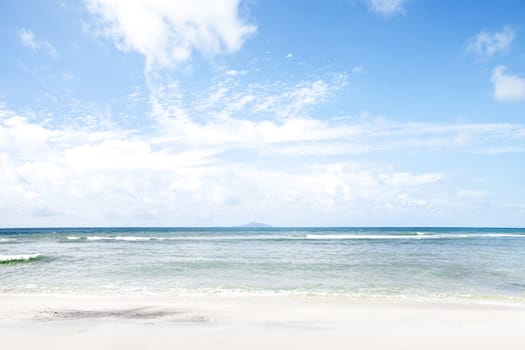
74, 238
12, 259
122, 238
7, 240
111, 238
405, 236
182, 238
418, 235
505, 235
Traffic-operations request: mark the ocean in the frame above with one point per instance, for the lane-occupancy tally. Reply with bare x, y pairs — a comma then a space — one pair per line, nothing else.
470, 264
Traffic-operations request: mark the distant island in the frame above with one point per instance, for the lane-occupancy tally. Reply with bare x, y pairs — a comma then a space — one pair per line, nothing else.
255, 224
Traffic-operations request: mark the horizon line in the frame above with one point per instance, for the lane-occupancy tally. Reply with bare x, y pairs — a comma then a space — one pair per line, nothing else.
255, 227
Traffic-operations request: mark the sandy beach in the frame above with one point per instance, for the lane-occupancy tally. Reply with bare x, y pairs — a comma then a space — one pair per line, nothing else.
65, 322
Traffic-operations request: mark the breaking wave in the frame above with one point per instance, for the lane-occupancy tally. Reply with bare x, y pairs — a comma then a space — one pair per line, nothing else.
405, 236
13, 259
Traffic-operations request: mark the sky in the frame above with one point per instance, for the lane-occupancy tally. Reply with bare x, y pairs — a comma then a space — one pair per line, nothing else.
291, 113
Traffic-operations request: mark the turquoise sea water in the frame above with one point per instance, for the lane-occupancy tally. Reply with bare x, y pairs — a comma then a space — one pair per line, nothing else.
435, 263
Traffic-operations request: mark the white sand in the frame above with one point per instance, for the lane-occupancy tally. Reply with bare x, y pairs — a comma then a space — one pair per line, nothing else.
46, 322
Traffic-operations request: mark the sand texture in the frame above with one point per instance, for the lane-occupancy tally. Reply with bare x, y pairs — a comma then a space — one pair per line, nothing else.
60, 322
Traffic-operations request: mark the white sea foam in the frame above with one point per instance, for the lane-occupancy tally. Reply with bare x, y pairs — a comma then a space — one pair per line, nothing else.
505, 235
134, 238
415, 235
183, 238
18, 258
233, 237
6, 240
120, 238
99, 238
346, 236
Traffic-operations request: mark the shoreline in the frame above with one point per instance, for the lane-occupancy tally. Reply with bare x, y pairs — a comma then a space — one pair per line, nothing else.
116, 322
496, 301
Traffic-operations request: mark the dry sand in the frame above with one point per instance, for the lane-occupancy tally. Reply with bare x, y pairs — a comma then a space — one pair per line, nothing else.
66, 322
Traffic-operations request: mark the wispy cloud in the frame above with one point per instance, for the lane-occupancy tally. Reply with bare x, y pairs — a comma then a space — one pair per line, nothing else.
387, 7
520, 207
486, 44
230, 97
28, 39
507, 87
167, 32
359, 70
282, 118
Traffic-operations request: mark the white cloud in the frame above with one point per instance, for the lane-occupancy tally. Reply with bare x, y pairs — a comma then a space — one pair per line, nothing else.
487, 44
281, 118
408, 179
507, 87
277, 118
387, 7
168, 31
28, 39
520, 207
119, 181
186, 174
359, 70
462, 193
229, 98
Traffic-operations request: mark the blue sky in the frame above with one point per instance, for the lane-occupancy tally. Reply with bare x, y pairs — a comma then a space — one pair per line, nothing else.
293, 113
